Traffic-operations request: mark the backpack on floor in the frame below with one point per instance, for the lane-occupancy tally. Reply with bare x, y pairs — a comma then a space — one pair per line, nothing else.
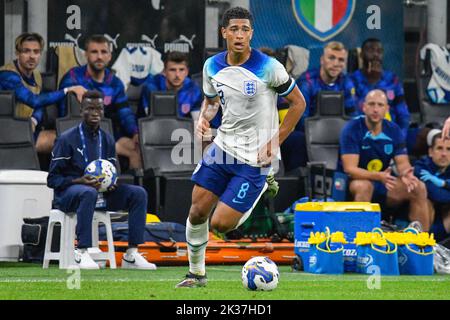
34, 236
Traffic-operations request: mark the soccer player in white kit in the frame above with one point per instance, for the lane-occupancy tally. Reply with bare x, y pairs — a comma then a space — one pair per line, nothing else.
231, 177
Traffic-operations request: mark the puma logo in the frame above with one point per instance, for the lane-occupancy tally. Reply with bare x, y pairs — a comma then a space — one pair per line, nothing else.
80, 151
113, 41
187, 40
149, 40
72, 39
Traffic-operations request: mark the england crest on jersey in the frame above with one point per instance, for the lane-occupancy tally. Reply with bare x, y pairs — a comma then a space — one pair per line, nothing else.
388, 148
323, 19
250, 88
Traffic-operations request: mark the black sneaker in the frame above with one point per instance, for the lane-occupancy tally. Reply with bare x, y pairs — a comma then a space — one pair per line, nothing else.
192, 281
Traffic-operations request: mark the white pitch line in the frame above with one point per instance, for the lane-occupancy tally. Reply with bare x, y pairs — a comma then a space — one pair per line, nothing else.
283, 276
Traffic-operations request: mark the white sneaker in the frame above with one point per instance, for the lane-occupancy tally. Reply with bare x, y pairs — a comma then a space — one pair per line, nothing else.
136, 261
84, 260
93, 251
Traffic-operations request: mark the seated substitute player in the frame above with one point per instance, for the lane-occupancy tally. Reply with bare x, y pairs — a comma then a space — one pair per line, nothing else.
373, 76
175, 77
367, 146
329, 77
22, 77
231, 177
96, 76
434, 171
76, 192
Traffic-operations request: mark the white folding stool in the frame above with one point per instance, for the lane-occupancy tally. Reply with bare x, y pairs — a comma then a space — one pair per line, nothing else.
66, 254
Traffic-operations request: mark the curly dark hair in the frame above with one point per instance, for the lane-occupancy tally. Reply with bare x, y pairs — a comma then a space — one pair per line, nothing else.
236, 13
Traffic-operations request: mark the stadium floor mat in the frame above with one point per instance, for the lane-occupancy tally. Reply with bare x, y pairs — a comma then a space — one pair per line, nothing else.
217, 251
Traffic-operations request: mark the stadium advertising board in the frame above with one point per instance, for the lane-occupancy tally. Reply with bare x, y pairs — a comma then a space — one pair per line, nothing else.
311, 23
176, 25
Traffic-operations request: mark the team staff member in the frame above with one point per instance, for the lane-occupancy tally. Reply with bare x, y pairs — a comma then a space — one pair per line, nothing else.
22, 77
76, 192
367, 146
434, 171
329, 77
96, 76
373, 76
175, 78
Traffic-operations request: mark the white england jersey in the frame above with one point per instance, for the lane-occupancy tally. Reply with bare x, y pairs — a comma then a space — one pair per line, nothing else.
136, 63
248, 95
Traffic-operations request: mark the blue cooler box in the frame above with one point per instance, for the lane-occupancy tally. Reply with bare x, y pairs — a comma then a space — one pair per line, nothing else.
347, 217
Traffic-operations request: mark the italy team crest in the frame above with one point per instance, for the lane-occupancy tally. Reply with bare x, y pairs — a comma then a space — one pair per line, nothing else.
323, 19
250, 87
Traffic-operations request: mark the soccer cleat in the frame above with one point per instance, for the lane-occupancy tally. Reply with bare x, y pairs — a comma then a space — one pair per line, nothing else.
84, 261
441, 259
136, 261
192, 281
273, 185
416, 225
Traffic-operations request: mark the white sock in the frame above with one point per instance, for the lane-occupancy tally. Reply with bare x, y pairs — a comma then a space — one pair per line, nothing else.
197, 240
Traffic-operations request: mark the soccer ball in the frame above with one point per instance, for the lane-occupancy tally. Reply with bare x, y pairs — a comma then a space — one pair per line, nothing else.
104, 171
260, 273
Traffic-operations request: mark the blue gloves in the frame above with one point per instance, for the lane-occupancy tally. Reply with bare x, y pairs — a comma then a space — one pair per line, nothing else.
427, 176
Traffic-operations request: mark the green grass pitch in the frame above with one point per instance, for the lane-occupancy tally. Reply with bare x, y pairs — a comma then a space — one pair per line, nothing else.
30, 281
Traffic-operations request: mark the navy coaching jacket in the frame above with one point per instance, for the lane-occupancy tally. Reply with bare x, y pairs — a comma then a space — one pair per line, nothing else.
68, 156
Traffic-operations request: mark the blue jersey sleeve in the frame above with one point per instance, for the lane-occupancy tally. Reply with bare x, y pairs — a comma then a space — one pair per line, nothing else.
12, 81
349, 142
59, 166
38, 114
111, 149
65, 82
435, 193
399, 142
307, 90
126, 115
402, 115
197, 98
144, 105
350, 100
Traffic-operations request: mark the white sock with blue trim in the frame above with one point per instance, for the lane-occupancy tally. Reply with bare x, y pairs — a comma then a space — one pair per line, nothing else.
197, 240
